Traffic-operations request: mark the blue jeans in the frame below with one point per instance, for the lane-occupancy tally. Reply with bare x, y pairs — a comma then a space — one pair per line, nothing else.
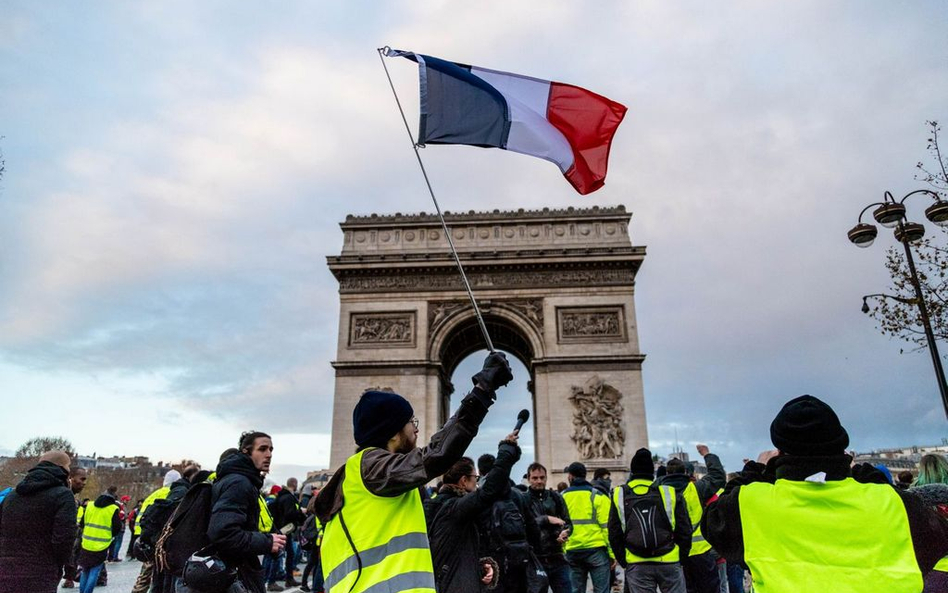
88, 577
593, 562
560, 578
115, 550
273, 567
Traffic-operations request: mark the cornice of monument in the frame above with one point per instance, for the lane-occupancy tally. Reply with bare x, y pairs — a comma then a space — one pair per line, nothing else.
508, 216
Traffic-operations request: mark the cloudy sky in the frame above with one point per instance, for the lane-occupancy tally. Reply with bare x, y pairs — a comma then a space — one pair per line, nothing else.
176, 173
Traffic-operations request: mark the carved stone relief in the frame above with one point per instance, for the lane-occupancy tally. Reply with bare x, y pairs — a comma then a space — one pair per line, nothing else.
487, 280
441, 311
380, 330
597, 420
590, 324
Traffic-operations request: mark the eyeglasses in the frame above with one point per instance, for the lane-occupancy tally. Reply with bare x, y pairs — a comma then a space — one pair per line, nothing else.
475, 476
414, 421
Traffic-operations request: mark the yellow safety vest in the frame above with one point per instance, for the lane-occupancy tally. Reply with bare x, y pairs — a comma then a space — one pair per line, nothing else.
589, 513
669, 498
698, 544
942, 565
80, 512
839, 536
97, 528
376, 542
159, 494
265, 522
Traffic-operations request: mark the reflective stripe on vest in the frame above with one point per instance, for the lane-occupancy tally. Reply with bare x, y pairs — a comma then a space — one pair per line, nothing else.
589, 513
839, 536
695, 510
376, 544
669, 497
159, 494
265, 522
97, 528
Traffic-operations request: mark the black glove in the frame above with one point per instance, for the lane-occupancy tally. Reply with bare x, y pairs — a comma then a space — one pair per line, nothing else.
496, 372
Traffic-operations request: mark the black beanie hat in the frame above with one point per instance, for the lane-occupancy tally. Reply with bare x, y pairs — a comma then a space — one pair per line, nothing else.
379, 416
642, 465
576, 469
808, 426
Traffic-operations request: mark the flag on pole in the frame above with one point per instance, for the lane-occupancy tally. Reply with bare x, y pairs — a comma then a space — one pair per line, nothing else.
562, 123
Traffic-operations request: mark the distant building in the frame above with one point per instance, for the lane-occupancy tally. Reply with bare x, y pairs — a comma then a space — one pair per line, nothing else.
900, 459
318, 478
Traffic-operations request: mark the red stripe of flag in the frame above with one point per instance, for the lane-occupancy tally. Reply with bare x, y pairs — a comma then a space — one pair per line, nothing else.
589, 121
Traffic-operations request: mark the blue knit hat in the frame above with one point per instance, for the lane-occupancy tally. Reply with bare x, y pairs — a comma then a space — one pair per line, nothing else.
379, 416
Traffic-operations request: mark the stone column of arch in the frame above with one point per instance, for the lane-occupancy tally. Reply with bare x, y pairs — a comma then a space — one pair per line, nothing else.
556, 288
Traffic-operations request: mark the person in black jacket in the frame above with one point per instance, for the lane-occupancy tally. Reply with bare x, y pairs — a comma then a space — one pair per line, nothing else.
234, 527
163, 582
511, 556
452, 521
37, 528
552, 518
286, 511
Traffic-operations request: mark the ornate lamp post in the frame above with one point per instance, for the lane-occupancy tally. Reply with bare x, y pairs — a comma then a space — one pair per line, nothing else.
891, 214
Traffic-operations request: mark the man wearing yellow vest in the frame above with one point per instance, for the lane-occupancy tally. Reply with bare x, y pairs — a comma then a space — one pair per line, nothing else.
649, 530
587, 549
101, 522
375, 535
808, 525
700, 567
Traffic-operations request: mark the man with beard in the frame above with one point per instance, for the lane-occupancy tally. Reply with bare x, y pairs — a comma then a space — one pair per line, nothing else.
376, 537
552, 518
37, 528
236, 528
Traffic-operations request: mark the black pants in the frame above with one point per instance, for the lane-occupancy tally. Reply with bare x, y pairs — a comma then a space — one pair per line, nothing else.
701, 573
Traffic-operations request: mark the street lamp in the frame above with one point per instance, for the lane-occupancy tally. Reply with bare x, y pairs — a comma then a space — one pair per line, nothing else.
891, 214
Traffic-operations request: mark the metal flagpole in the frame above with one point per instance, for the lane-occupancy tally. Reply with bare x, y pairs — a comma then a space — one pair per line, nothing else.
447, 232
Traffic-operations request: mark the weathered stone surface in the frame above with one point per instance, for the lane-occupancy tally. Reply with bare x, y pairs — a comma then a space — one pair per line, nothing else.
556, 290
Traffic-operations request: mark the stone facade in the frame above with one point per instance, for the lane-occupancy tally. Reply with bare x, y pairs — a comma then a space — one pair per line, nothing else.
556, 290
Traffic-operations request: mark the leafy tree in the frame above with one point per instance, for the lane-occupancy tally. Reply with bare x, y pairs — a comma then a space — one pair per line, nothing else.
39, 445
899, 317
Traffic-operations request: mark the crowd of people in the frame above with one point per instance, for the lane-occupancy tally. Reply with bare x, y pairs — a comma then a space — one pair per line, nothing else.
802, 517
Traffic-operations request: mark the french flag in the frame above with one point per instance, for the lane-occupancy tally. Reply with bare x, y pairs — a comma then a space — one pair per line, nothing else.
562, 123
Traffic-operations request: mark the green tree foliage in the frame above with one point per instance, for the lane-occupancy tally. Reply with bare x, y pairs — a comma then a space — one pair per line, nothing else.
39, 445
901, 319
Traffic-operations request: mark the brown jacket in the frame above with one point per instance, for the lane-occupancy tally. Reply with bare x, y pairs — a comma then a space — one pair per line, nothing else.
391, 474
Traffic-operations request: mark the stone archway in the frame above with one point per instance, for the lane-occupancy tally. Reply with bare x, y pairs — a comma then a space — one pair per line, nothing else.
556, 289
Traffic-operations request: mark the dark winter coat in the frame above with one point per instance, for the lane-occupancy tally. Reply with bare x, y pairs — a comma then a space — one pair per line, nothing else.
721, 524
286, 510
452, 525
37, 531
543, 505
87, 558
235, 514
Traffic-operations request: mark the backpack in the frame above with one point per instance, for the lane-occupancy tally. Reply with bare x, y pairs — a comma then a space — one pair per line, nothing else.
648, 525
508, 532
186, 532
310, 534
153, 521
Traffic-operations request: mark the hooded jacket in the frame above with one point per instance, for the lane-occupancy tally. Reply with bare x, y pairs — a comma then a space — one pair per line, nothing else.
235, 513
285, 509
37, 531
706, 486
88, 558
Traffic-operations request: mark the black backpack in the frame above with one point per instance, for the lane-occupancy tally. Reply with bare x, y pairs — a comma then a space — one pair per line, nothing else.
153, 521
309, 534
508, 532
186, 532
647, 521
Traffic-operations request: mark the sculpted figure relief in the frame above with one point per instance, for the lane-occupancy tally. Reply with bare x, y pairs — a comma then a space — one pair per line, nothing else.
597, 420
369, 329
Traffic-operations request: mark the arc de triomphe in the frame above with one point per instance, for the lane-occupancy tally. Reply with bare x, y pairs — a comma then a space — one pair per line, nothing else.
556, 290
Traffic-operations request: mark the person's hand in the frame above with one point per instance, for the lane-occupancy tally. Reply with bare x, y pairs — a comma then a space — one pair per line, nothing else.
555, 521
496, 372
563, 536
766, 456
279, 541
612, 564
512, 438
702, 449
488, 573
